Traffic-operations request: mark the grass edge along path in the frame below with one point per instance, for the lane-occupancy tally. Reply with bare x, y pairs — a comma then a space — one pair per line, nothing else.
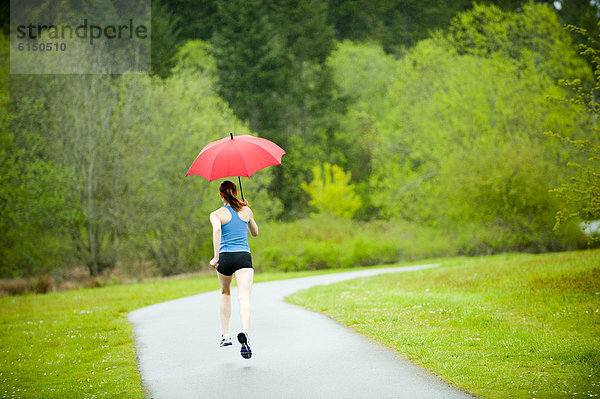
509, 326
79, 344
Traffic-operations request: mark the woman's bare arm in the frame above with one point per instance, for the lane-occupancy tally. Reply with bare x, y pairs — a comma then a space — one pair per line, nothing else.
216, 227
252, 224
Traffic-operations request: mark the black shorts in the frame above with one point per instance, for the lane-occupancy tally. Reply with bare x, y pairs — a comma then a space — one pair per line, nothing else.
230, 262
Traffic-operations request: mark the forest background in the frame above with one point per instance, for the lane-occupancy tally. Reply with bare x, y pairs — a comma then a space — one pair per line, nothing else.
414, 129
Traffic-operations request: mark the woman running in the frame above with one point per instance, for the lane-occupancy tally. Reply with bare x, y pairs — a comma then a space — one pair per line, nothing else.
230, 226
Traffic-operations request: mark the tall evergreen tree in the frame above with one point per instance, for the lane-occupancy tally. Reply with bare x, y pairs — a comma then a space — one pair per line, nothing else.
304, 26
395, 24
312, 107
165, 39
252, 64
308, 40
4, 17
198, 17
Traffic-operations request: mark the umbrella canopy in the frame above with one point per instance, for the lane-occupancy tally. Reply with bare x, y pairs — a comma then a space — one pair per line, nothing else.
235, 156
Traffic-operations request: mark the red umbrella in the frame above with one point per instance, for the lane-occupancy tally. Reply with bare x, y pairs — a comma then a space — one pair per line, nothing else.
236, 156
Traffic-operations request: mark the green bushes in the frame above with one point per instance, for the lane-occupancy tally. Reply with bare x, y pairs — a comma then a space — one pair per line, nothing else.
331, 191
326, 242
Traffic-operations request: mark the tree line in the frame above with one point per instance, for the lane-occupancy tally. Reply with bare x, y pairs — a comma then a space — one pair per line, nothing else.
417, 111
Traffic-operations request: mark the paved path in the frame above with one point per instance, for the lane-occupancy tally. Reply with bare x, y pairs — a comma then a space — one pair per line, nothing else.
296, 353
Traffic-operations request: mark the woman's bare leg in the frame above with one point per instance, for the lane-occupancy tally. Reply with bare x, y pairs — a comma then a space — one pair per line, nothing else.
225, 304
244, 278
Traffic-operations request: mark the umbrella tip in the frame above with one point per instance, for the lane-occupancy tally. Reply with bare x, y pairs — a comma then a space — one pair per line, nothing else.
231, 134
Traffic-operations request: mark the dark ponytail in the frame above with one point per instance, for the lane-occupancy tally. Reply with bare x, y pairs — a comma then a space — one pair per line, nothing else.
228, 191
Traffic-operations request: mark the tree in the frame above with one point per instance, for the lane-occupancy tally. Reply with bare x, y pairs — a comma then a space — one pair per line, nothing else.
583, 192
460, 148
396, 25
5, 18
363, 74
533, 38
198, 18
118, 148
36, 194
252, 64
165, 39
195, 56
91, 149
331, 191
307, 39
581, 13
169, 121
271, 64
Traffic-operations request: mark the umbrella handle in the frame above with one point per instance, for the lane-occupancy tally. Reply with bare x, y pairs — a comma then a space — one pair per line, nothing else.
241, 189
239, 180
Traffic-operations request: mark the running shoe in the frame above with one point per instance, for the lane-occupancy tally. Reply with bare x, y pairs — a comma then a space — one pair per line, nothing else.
246, 352
225, 340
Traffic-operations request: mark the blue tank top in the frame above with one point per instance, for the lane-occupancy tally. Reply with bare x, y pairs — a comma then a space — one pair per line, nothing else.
234, 234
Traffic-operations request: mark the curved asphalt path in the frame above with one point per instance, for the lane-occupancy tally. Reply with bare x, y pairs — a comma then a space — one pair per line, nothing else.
296, 353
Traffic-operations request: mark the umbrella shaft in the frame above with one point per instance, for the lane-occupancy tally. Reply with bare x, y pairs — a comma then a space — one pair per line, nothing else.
241, 189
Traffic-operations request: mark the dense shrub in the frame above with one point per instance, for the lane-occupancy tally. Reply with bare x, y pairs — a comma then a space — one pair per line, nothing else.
327, 242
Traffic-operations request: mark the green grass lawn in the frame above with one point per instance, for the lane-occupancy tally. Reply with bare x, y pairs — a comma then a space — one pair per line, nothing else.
78, 344
511, 326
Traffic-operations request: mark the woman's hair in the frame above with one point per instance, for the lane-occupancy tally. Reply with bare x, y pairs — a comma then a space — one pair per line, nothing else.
228, 191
